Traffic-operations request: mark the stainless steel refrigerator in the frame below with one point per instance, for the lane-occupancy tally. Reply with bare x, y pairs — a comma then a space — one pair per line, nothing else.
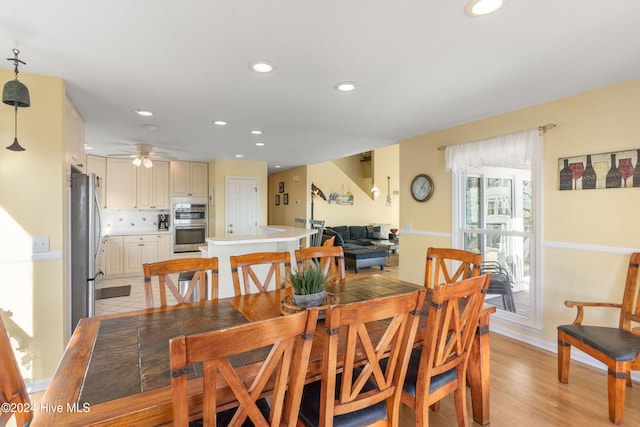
85, 244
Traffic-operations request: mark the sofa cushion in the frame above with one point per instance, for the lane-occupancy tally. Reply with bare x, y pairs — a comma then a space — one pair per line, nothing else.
357, 232
329, 233
370, 231
343, 230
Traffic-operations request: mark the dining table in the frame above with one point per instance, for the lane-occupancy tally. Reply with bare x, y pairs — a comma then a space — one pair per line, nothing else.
115, 370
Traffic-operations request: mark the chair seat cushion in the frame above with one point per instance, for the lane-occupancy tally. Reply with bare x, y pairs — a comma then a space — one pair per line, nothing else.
412, 375
310, 408
617, 344
223, 418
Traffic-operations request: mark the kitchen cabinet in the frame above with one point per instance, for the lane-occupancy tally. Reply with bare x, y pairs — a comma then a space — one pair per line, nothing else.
189, 179
121, 184
139, 249
98, 166
113, 247
131, 187
152, 189
74, 136
164, 247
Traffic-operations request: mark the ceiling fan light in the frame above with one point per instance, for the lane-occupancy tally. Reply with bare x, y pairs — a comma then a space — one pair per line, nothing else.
137, 162
147, 163
482, 7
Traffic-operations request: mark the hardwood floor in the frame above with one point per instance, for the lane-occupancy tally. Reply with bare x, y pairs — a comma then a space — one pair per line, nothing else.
525, 391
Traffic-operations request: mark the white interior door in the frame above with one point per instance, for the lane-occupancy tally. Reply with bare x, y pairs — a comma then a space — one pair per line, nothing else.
242, 205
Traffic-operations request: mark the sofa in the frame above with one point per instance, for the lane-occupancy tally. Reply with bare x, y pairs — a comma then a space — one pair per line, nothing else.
358, 243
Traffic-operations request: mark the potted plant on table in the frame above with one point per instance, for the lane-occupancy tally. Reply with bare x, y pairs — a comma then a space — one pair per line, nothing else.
309, 286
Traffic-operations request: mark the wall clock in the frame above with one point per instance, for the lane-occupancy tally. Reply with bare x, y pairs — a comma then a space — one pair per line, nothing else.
422, 188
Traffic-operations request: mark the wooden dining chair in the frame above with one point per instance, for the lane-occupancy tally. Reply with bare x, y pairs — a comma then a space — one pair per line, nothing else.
440, 264
13, 392
283, 371
330, 258
195, 270
364, 361
617, 347
276, 277
439, 366
316, 239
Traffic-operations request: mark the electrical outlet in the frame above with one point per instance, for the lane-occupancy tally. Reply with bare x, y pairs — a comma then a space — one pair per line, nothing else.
40, 244
408, 226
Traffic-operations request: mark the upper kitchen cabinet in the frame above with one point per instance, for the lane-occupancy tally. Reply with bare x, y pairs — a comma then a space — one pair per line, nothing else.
74, 136
131, 187
98, 166
189, 179
121, 184
153, 186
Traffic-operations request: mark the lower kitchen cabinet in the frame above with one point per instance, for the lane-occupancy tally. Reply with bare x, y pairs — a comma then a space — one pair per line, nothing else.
126, 254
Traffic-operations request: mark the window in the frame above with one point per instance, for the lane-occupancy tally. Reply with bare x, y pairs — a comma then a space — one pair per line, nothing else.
495, 213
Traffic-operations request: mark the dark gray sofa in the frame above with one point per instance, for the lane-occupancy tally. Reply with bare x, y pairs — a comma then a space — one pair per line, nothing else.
357, 242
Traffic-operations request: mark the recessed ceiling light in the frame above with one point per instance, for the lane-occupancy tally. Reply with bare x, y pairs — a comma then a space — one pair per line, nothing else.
220, 123
239, 155
482, 7
277, 166
259, 144
256, 132
87, 147
144, 113
261, 66
345, 86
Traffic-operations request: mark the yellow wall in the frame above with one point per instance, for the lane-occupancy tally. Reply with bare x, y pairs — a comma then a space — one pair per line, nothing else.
32, 194
219, 169
298, 190
329, 178
587, 235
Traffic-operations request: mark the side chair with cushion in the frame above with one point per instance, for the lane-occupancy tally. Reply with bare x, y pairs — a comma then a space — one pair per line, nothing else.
439, 366
13, 392
281, 375
366, 347
197, 269
441, 262
277, 265
616, 347
330, 258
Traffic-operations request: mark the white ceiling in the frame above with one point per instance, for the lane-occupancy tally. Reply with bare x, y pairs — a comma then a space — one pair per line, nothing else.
420, 66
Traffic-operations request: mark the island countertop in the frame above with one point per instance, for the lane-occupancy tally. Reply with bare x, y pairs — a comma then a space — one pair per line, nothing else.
264, 234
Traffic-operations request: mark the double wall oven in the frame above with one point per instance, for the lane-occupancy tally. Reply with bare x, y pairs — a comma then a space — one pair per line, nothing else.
189, 225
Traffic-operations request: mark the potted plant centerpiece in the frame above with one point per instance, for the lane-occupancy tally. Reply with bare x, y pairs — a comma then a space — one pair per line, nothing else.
309, 286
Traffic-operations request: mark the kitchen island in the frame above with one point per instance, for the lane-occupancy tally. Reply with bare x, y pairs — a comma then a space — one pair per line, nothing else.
267, 238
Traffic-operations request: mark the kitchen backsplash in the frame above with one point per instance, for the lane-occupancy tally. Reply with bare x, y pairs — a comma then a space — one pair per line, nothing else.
131, 221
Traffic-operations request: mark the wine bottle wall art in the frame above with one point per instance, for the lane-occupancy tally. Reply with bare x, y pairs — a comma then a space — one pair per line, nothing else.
620, 169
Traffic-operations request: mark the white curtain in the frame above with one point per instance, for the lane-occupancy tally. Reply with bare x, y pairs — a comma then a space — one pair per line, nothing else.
514, 150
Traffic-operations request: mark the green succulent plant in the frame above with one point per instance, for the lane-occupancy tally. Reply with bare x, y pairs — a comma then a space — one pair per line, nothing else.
310, 280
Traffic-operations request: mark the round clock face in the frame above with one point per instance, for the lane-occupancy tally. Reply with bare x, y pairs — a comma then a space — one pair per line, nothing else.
422, 188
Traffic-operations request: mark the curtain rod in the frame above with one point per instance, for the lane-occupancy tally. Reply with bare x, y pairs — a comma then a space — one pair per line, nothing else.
543, 129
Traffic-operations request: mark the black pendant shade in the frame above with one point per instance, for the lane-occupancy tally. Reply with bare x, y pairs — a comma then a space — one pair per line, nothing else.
16, 94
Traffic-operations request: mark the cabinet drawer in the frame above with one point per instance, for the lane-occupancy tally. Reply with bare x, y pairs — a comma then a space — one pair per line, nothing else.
147, 238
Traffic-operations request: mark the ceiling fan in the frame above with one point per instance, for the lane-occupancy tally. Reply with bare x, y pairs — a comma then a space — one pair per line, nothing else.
144, 155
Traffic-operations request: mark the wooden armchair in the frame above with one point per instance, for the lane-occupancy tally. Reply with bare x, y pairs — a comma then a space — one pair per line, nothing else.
13, 392
618, 348
439, 366
440, 263
279, 264
331, 258
283, 371
364, 361
163, 269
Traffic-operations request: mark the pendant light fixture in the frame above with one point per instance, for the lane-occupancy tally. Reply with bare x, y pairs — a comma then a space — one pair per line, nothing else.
16, 94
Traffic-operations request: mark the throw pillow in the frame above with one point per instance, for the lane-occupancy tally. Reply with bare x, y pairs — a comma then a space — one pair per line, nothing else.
376, 232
